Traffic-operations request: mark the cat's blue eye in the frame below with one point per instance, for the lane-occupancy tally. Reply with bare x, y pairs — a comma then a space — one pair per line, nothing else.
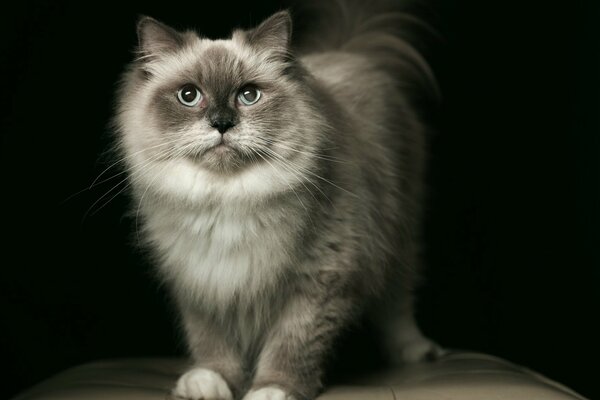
249, 95
189, 95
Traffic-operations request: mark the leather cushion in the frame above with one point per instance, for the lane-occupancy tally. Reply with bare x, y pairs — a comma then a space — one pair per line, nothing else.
457, 375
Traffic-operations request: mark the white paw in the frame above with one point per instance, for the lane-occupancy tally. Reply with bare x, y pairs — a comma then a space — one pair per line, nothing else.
268, 393
202, 384
420, 349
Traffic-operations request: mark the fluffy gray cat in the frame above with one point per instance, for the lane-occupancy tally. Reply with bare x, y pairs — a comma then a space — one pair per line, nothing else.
280, 191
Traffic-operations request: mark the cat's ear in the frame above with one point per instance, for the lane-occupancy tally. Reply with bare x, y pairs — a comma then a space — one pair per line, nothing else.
156, 38
273, 34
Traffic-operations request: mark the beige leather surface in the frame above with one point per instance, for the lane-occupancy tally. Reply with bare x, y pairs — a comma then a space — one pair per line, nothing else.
457, 376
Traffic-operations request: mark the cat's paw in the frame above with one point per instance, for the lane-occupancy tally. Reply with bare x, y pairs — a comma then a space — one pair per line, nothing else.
268, 393
419, 349
202, 384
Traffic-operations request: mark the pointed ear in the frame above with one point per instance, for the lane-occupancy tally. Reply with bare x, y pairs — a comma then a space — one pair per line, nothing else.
273, 34
156, 38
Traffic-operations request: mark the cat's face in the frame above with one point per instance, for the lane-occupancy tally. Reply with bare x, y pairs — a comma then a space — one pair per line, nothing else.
220, 106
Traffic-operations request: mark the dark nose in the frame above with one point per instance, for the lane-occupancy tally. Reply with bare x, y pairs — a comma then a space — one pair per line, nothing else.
222, 125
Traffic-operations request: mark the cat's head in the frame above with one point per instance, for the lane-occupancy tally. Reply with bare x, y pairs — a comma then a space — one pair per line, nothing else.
190, 106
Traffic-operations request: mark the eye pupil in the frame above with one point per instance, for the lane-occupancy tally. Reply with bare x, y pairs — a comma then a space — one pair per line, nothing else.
250, 94
188, 95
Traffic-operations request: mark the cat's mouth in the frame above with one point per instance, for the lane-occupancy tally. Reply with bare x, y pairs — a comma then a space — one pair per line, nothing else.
222, 146
219, 146
222, 154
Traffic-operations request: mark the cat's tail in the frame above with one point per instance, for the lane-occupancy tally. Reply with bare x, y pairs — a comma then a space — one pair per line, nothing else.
386, 31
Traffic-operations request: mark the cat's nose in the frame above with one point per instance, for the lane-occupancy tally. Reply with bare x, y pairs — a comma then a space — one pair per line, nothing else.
222, 125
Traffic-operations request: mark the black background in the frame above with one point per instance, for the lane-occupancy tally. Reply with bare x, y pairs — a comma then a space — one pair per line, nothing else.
513, 211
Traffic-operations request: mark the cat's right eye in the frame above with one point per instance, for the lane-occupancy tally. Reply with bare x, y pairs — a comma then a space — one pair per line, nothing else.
189, 95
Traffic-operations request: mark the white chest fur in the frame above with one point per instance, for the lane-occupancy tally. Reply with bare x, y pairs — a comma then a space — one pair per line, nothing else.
215, 255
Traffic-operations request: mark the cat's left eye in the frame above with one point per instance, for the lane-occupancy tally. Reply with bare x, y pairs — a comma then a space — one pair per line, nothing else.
249, 95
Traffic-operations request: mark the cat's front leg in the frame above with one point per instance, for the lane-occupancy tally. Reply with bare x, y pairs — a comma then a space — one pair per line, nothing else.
217, 372
201, 383
290, 365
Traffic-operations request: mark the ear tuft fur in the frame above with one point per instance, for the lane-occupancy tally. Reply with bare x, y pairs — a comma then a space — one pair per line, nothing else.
156, 38
273, 34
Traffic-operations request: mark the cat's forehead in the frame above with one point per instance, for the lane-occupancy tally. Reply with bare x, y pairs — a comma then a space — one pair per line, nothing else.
217, 64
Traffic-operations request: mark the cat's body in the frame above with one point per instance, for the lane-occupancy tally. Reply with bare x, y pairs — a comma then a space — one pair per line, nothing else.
275, 223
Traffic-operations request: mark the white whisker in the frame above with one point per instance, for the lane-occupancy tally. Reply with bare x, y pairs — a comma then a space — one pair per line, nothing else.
284, 181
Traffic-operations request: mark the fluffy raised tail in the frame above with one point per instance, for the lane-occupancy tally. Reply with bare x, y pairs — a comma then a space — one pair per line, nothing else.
384, 30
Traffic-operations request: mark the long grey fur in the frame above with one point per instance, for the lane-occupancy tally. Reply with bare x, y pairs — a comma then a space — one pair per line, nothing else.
276, 234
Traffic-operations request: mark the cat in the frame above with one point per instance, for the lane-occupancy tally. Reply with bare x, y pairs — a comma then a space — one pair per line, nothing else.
279, 189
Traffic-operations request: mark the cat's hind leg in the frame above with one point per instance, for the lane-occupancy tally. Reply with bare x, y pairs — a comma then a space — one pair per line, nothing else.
404, 342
